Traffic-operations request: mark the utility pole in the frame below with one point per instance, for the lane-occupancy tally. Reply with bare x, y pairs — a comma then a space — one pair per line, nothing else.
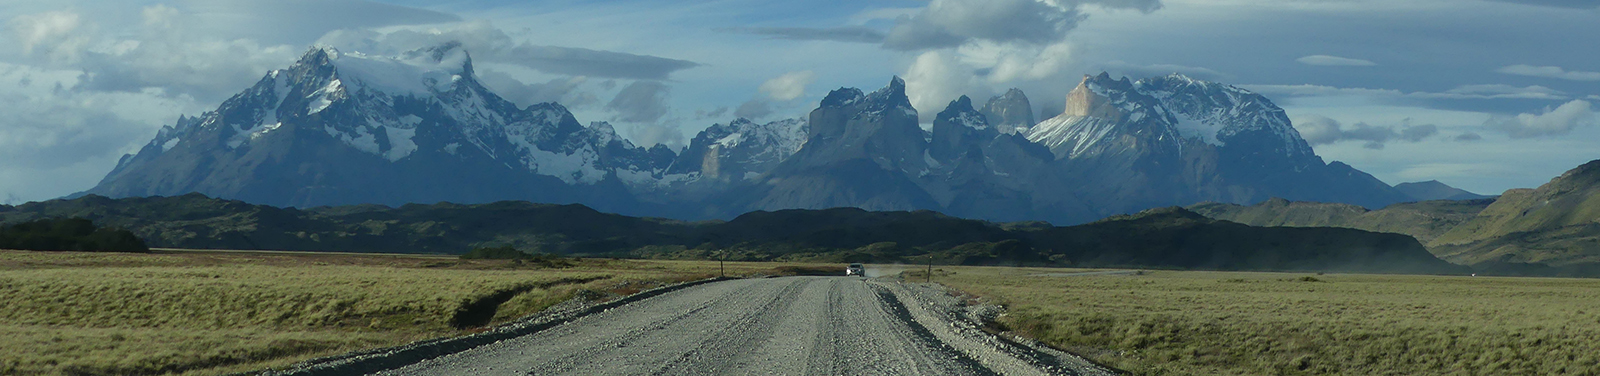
721, 260
930, 269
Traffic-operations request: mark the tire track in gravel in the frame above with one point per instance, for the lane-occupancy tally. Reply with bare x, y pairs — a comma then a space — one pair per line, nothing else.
774, 326
735, 341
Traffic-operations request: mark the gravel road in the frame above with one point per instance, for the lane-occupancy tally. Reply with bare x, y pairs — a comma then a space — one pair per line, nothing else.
772, 326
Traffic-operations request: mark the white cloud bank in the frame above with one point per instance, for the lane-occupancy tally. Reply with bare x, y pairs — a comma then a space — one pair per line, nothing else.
1493, 91
1322, 130
783, 90
1329, 60
1550, 122
1549, 72
788, 86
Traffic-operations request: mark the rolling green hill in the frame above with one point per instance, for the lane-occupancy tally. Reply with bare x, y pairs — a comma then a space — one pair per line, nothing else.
1557, 224
1161, 238
1424, 220
1182, 237
1553, 230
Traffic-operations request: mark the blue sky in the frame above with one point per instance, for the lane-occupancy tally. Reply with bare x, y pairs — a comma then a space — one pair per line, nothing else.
1482, 95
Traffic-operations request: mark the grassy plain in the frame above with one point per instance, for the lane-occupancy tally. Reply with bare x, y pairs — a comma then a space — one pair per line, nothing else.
1228, 323
219, 312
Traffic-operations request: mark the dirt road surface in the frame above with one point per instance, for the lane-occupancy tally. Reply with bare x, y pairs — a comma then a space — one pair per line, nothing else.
772, 326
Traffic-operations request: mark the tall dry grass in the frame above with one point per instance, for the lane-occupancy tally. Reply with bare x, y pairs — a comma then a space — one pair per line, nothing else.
1194, 323
210, 313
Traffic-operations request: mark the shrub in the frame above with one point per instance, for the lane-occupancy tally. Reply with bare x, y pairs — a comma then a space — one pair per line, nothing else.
69, 234
509, 253
495, 253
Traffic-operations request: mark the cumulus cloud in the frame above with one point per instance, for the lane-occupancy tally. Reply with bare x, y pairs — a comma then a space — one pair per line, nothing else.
950, 23
970, 46
1328, 60
205, 49
979, 69
1000, 64
56, 139
937, 76
973, 47
651, 134
640, 102
565, 90
488, 43
1321, 130
754, 109
641, 107
781, 91
1318, 130
856, 34
164, 53
788, 86
1549, 122
1550, 72
55, 35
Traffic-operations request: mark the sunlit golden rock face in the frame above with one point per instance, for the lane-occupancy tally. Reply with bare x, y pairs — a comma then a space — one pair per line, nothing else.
1084, 100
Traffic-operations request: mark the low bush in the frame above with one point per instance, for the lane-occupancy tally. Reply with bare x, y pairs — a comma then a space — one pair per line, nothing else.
68, 234
520, 258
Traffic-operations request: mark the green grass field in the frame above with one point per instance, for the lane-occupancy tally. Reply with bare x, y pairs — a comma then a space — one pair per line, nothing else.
1223, 323
210, 313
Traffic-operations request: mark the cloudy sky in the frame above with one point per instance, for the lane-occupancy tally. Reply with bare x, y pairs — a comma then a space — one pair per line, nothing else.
1483, 95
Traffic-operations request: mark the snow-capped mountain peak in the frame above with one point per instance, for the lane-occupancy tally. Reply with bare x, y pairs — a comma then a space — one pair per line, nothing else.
391, 118
1170, 108
962, 113
957, 127
1219, 114
1100, 109
418, 72
741, 149
891, 98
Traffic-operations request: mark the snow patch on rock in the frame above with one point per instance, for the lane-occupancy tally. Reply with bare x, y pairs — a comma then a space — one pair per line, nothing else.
400, 143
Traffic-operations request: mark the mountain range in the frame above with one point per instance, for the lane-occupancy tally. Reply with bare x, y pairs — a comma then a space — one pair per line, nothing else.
339, 128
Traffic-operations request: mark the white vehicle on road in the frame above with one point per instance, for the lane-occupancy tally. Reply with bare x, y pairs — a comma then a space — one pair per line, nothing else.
856, 270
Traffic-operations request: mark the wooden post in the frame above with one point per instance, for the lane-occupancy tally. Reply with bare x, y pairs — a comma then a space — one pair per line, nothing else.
930, 269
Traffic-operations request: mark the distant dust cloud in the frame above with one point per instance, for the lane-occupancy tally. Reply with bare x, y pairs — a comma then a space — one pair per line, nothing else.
875, 271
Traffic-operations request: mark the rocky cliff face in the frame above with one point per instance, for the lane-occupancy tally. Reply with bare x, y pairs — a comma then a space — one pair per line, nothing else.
1010, 112
861, 151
